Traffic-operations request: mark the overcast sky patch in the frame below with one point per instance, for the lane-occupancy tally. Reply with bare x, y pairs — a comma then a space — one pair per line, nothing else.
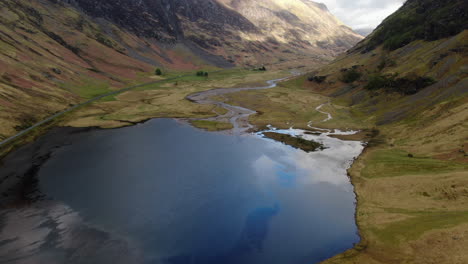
362, 14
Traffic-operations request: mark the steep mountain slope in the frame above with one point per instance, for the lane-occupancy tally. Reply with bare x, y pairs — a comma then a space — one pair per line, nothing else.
407, 59
244, 32
300, 23
409, 80
54, 53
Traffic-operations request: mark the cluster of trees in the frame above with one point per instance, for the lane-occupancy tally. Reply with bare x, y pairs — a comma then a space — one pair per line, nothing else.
260, 69
202, 73
391, 83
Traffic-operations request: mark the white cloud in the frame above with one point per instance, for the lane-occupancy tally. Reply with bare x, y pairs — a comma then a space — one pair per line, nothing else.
360, 14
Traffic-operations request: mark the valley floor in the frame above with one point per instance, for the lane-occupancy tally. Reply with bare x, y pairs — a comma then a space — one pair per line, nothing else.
412, 202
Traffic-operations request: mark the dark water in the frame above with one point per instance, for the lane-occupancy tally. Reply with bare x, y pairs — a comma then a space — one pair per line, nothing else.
164, 192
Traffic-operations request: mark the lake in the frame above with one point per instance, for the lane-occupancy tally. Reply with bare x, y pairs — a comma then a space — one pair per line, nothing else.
165, 192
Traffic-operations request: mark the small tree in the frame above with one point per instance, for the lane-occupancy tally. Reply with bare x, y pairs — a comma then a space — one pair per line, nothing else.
206, 74
158, 72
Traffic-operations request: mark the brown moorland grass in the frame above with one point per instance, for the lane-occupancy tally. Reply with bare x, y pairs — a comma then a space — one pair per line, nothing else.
211, 125
412, 185
166, 99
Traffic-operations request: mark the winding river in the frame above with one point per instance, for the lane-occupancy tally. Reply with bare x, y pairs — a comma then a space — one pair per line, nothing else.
236, 115
166, 192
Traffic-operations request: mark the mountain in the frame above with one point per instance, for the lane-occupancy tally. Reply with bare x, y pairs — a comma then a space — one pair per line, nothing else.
242, 31
303, 24
364, 31
409, 81
54, 53
418, 55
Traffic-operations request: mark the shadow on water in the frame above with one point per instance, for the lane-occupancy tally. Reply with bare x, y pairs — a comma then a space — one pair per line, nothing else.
251, 240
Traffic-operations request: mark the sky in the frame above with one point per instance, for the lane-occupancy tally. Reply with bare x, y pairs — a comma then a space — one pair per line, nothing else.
362, 14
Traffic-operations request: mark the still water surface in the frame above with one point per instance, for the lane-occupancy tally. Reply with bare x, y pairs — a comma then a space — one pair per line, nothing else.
165, 192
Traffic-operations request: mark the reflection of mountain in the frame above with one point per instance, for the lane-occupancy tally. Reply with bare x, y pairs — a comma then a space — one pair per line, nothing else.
51, 229
256, 229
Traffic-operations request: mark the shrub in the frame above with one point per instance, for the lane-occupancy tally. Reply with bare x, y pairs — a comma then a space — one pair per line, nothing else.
377, 81
405, 85
202, 73
158, 71
260, 69
350, 75
385, 62
317, 79
104, 41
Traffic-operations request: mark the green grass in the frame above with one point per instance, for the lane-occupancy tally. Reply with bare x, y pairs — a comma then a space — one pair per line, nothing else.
296, 142
420, 222
390, 163
427, 20
109, 98
193, 79
295, 83
211, 125
91, 89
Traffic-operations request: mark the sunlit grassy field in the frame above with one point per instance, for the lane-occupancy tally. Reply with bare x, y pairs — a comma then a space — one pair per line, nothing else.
166, 99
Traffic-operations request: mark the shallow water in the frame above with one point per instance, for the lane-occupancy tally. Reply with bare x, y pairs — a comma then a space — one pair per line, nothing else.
165, 192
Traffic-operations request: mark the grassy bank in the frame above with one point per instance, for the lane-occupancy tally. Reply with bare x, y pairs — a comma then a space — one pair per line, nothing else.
211, 125
165, 100
410, 181
410, 209
292, 104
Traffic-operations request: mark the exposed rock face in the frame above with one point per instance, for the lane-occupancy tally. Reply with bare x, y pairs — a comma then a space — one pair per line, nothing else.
247, 25
300, 23
161, 19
